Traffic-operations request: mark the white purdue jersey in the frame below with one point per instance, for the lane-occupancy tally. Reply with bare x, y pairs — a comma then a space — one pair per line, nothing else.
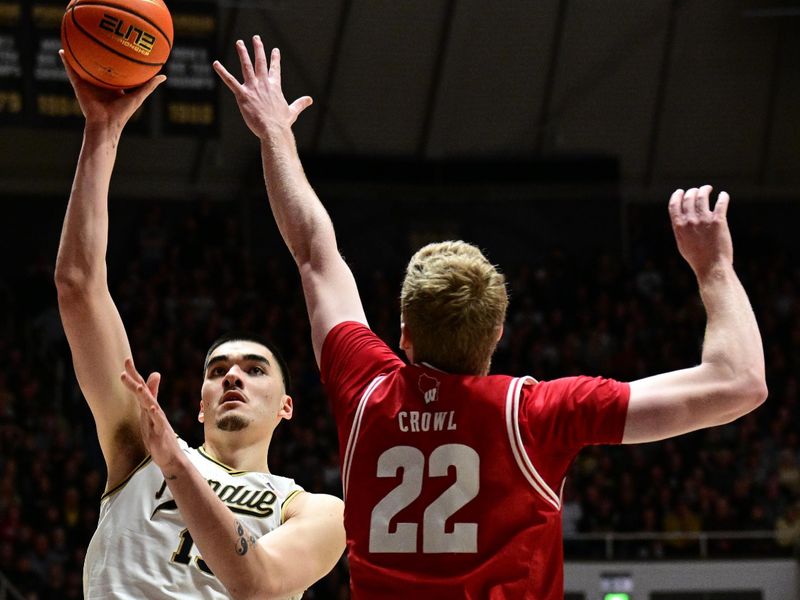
142, 548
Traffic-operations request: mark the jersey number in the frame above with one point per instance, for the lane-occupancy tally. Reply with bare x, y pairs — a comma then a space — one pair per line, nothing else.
463, 538
183, 555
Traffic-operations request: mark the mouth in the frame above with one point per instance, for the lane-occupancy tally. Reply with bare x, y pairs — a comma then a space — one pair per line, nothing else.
232, 396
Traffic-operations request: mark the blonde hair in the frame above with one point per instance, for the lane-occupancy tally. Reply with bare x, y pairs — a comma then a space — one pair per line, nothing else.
453, 304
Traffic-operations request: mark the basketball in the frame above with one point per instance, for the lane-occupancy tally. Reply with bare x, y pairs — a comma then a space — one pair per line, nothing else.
116, 44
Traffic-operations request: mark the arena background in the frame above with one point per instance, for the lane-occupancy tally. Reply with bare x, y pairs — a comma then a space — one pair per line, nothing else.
551, 133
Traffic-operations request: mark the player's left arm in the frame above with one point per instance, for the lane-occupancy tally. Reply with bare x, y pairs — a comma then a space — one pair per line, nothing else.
729, 382
280, 564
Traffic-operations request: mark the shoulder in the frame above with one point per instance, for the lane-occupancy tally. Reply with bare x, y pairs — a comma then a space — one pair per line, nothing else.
350, 334
306, 504
353, 355
283, 486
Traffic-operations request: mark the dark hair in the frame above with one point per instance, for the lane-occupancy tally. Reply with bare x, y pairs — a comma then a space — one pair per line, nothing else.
245, 336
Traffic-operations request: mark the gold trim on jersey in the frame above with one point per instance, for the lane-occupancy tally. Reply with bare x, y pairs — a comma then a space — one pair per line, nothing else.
288, 499
230, 470
122, 483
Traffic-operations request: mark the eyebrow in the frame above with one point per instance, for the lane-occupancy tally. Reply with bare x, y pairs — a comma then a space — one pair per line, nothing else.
245, 357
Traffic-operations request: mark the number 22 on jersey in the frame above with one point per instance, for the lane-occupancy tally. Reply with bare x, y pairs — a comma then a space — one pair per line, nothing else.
463, 538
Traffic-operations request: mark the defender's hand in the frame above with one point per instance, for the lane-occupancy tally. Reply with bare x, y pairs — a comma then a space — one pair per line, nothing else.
157, 433
109, 107
702, 234
260, 97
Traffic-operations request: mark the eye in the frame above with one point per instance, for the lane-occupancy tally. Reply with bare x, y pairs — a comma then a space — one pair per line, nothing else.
256, 371
217, 372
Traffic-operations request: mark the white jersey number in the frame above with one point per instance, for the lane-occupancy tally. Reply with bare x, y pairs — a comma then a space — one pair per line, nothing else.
463, 538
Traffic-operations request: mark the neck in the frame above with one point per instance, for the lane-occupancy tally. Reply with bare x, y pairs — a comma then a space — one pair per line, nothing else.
237, 452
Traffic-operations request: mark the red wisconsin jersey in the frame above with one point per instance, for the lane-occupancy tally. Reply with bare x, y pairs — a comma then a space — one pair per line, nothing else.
453, 483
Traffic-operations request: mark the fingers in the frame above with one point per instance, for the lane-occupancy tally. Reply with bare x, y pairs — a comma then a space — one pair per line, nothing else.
67, 68
688, 206
721, 207
262, 70
701, 202
153, 382
275, 65
71, 74
228, 79
695, 202
675, 201
144, 391
244, 58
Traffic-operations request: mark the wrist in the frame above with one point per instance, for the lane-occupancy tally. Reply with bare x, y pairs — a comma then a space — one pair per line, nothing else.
275, 134
175, 466
717, 271
100, 129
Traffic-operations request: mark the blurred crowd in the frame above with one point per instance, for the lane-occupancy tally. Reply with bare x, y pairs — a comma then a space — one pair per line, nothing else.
181, 278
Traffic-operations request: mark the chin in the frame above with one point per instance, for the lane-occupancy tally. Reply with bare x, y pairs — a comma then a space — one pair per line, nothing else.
231, 422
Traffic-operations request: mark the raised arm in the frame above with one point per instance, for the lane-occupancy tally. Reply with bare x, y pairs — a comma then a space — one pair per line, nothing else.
93, 326
730, 381
328, 284
282, 563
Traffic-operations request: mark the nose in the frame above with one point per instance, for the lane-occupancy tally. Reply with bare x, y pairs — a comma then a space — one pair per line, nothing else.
232, 378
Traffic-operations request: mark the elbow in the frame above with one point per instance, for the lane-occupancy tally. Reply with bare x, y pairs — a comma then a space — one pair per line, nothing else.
73, 284
71, 287
758, 392
746, 394
753, 388
70, 284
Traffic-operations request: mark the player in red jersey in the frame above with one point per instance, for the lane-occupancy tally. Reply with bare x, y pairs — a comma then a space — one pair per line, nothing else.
453, 477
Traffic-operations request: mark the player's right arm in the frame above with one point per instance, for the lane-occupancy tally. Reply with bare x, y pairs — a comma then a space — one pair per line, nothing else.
91, 321
729, 381
328, 284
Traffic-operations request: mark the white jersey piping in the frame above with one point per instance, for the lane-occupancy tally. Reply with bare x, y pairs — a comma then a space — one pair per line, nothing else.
518, 449
351, 441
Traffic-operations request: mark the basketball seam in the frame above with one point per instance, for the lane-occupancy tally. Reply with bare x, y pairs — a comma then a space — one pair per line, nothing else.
85, 70
129, 11
110, 49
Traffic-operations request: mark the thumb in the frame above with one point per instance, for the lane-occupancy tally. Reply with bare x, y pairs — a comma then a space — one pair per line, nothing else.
153, 381
301, 104
149, 87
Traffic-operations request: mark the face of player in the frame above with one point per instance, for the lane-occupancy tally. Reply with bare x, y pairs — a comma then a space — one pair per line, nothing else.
243, 389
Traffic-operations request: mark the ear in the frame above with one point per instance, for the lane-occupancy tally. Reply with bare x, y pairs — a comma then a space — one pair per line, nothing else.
201, 415
406, 345
287, 408
500, 333
405, 337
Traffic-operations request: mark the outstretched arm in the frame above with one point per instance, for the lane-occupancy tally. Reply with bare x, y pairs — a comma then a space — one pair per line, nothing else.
730, 381
92, 323
328, 284
285, 561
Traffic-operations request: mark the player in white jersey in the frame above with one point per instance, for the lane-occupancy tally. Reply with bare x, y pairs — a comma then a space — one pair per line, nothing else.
177, 522
161, 555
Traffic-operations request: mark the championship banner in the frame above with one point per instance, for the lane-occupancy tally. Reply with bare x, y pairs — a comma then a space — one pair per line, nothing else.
11, 63
190, 96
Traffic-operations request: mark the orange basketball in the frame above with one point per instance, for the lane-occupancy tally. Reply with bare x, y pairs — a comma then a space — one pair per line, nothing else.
116, 44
